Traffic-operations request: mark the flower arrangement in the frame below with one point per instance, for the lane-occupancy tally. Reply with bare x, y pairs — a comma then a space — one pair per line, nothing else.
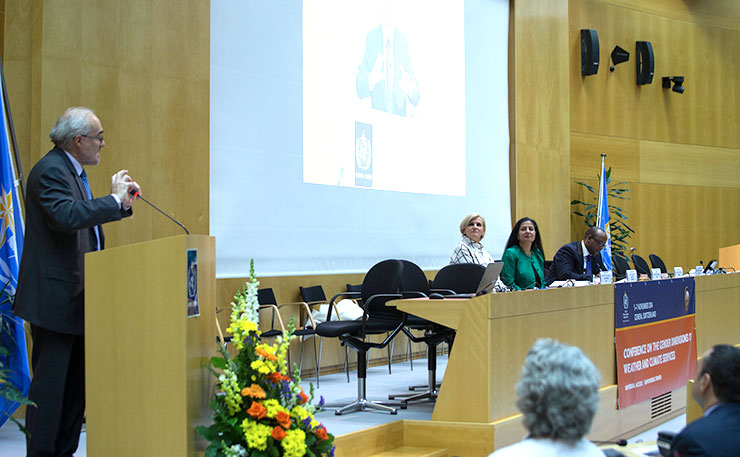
259, 410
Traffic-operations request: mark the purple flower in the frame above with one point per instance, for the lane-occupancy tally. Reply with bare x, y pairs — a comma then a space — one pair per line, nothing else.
321, 401
307, 423
331, 452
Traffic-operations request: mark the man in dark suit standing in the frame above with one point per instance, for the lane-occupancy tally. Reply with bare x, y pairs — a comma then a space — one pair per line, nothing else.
571, 263
63, 222
717, 390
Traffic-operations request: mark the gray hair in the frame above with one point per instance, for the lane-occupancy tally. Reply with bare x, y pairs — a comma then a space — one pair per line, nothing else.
466, 220
558, 391
74, 121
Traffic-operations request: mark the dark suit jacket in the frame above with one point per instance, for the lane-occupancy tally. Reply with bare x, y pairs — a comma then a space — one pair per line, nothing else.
716, 435
568, 264
59, 231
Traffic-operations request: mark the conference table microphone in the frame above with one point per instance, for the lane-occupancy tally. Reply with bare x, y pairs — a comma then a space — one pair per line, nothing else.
617, 442
137, 194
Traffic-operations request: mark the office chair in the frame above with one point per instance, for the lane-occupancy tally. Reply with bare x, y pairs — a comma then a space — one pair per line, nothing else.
381, 284
458, 278
314, 296
640, 265
621, 265
414, 284
657, 262
305, 328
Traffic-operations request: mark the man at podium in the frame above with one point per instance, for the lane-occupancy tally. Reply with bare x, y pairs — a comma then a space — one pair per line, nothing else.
63, 222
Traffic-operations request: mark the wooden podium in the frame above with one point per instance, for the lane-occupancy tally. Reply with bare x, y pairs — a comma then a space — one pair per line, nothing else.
147, 387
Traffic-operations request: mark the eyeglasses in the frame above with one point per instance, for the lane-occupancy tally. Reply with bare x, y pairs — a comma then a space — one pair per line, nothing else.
95, 137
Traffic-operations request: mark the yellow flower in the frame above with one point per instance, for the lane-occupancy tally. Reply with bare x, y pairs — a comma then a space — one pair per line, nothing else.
299, 412
256, 434
263, 366
273, 407
294, 443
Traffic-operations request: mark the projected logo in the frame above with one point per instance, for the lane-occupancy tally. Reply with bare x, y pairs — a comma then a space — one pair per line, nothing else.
363, 154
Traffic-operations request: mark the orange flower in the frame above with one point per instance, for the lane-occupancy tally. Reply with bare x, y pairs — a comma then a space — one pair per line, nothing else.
276, 377
278, 433
253, 391
304, 397
257, 410
266, 355
283, 419
321, 433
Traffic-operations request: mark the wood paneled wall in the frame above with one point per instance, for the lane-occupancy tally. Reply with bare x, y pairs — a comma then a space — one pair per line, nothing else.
679, 153
539, 116
143, 67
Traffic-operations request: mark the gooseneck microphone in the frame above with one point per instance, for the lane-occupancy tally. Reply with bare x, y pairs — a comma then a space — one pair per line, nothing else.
137, 194
620, 442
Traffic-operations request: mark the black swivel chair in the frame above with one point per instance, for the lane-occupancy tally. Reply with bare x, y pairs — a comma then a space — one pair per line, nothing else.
640, 265
414, 284
657, 262
621, 265
381, 284
458, 278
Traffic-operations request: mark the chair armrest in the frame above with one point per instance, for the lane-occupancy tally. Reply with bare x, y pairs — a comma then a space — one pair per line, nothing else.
413, 294
443, 291
275, 310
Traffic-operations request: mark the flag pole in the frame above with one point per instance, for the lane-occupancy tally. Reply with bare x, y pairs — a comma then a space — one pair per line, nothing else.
9, 117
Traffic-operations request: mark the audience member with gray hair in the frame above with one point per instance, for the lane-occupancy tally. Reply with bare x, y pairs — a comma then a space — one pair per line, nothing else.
558, 396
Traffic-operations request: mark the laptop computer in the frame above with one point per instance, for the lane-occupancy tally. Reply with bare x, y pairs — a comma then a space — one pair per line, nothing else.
490, 276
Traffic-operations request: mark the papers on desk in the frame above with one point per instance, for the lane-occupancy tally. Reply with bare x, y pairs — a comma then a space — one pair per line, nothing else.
568, 283
650, 450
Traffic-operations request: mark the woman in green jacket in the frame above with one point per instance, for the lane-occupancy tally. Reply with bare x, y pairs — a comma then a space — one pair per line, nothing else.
524, 259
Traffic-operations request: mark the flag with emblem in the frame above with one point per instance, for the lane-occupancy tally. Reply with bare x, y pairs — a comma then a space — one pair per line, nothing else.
602, 217
14, 377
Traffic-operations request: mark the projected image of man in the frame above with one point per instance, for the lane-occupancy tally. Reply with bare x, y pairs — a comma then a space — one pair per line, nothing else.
385, 73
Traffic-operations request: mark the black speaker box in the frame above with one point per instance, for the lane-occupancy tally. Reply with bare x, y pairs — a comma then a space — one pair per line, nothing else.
645, 62
589, 52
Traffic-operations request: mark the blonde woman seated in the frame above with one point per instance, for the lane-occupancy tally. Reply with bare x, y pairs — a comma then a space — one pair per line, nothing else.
558, 394
470, 250
524, 259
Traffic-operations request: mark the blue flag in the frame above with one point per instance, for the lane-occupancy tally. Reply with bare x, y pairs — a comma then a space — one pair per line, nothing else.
15, 361
602, 217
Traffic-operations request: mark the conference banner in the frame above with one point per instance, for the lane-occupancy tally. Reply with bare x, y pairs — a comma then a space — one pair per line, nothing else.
655, 338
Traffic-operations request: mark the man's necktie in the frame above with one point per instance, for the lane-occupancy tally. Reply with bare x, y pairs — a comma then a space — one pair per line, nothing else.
83, 176
589, 268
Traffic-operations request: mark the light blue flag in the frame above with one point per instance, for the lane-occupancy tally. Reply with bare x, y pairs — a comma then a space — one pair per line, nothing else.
11, 243
602, 217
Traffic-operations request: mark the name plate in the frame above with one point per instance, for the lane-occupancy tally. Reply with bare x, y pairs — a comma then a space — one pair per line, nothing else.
606, 277
677, 272
699, 270
655, 273
631, 275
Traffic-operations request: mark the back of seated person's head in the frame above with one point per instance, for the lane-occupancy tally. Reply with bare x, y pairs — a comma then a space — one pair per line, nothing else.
558, 391
723, 366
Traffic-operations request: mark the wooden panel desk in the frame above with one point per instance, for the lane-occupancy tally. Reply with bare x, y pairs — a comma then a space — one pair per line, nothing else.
495, 331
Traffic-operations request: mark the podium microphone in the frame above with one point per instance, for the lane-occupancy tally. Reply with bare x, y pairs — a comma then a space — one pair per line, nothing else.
137, 194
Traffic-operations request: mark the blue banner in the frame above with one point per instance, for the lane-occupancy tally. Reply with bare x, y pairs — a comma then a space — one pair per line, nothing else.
13, 337
638, 303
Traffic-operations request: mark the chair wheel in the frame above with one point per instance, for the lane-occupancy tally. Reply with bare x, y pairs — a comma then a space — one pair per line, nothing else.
394, 412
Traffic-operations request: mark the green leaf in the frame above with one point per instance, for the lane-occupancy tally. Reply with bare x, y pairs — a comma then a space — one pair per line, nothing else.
218, 362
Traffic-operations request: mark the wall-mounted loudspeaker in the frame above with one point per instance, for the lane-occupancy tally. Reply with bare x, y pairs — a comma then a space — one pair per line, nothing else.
589, 52
645, 62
